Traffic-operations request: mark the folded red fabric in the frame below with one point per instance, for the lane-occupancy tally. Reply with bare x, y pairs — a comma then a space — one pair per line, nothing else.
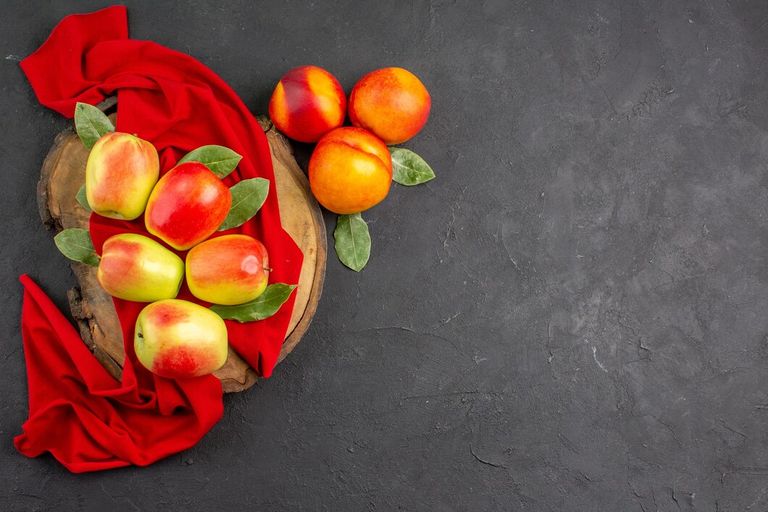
85, 418
79, 413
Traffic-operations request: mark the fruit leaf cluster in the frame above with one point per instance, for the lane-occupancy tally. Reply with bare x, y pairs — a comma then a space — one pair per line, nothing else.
248, 196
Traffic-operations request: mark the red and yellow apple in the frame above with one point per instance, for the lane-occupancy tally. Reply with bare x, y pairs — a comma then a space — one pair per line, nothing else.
390, 102
119, 175
180, 339
187, 205
135, 267
307, 102
230, 269
350, 170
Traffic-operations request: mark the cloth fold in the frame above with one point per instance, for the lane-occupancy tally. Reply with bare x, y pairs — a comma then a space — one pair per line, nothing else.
85, 418
77, 411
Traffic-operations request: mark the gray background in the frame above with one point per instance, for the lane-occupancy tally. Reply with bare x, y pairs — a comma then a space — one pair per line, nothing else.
571, 317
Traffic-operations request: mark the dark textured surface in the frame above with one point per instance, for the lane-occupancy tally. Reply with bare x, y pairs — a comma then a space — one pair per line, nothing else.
571, 317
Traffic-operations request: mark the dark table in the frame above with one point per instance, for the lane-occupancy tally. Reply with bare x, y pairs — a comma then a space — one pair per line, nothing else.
571, 317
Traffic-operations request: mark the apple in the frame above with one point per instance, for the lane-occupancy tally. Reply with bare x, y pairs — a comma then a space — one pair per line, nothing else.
230, 269
180, 339
187, 205
135, 267
120, 173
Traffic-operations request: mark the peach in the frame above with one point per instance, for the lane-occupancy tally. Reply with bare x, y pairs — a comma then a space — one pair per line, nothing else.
119, 175
180, 339
350, 170
390, 102
307, 103
230, 269
187, 205
135, 267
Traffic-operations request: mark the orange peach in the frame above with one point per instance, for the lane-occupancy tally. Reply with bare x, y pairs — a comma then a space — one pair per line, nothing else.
307, 103
230, 269
390, 102
119, 175
187, 205
350, 170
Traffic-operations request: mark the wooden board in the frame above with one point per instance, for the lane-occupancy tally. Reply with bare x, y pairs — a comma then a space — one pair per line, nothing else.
63, 173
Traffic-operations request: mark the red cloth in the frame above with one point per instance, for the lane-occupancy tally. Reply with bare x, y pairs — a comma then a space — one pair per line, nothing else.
86, 419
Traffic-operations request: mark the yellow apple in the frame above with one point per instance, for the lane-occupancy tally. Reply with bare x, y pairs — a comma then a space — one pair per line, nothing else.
180, 339
135, 267
121, 172
230, 269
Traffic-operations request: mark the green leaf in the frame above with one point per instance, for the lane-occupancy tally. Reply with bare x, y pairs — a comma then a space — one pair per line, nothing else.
263, 306
409, 169
82, 199
75, 244
218, 159
91, 123
247, 198
353, 242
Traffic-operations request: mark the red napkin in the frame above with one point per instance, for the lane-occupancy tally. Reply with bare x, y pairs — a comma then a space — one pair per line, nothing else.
79, 413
